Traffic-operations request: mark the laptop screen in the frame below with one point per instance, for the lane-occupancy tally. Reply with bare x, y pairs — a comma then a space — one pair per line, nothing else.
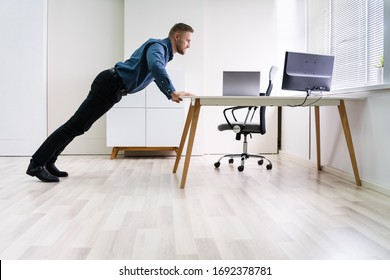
241, 83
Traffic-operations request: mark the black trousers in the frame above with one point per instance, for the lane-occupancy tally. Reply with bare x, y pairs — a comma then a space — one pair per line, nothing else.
104, 93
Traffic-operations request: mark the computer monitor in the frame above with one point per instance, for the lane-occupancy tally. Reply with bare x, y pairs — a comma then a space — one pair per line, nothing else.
307, 72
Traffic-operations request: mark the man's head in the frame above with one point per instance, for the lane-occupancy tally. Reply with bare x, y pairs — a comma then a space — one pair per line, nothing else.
180, 36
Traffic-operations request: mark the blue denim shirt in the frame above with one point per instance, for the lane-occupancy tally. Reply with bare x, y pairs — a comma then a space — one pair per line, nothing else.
147, 64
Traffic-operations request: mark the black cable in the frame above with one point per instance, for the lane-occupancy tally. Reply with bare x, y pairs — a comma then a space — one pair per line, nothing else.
314, 101
304, 101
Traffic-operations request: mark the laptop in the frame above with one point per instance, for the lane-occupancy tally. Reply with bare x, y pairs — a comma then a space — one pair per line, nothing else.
241, 83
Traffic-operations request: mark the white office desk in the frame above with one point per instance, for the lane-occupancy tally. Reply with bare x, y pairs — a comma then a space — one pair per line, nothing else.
265, 100
198, 101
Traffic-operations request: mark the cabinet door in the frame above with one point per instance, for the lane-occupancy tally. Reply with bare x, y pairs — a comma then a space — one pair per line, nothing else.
156, 99
126, 127
164, 127
132, 100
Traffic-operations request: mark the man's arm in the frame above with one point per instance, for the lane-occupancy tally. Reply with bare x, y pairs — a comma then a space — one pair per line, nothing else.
156, 63
155, 57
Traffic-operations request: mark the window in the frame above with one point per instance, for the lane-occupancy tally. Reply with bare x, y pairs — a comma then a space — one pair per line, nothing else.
352, 31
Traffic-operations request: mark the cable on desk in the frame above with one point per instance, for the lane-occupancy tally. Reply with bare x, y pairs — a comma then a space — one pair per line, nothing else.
308, 92
319, 98
304, 101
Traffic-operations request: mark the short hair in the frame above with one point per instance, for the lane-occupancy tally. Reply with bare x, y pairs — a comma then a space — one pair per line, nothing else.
180, 27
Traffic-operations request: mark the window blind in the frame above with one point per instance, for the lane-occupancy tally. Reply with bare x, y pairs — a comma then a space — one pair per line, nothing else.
352, 31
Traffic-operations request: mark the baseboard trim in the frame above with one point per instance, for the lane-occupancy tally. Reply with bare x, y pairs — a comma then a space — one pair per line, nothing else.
339, 173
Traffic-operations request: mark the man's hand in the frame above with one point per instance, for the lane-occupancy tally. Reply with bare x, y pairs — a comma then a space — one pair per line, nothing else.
176, 96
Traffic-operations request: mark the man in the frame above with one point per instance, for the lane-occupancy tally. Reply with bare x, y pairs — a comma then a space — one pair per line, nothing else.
145, 65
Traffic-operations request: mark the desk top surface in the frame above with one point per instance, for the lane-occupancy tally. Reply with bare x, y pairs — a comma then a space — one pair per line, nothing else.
293, 101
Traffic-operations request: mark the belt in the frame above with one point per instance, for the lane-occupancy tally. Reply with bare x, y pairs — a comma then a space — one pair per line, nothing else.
122, 88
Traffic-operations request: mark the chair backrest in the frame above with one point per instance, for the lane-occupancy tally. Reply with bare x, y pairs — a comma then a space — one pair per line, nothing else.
272, 73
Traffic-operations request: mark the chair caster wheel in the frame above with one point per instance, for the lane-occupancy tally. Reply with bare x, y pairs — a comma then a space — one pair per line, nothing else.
269, 166
260, 162
240, 168
231, 160
217, 164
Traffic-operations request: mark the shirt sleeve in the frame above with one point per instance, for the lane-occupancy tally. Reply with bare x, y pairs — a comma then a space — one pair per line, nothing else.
156, 63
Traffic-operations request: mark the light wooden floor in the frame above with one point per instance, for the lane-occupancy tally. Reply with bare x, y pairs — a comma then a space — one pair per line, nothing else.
133, 209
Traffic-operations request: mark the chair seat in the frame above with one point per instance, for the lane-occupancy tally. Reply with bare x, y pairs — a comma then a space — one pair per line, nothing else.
249, 127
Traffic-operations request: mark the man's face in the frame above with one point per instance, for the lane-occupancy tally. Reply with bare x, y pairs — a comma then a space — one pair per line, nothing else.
183, 40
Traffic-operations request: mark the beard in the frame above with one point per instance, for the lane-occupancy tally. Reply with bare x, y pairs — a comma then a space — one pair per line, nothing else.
180, 49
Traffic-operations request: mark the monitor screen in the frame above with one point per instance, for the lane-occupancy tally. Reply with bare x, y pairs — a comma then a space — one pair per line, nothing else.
307, 72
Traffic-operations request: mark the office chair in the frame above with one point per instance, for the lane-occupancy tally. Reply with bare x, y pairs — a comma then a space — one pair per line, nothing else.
245, 128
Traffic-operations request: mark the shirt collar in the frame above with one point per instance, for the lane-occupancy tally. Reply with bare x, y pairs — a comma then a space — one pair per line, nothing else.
169, 45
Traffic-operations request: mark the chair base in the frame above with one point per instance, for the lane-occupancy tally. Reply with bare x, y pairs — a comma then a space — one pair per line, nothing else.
244, 157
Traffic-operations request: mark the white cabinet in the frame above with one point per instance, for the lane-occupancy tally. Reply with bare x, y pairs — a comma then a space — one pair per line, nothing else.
146, 120
164, 127
126, 127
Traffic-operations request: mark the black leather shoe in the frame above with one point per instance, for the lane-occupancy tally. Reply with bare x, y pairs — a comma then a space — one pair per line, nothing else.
53, 170
41, 173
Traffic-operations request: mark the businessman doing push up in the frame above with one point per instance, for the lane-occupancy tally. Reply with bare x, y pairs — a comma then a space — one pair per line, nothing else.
146, 64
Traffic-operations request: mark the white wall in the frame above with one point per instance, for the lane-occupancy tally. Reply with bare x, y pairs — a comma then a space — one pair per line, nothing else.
238, 37
368, 118
292, 37
22, 75
85, 37
370, 128
161, 16
228, 36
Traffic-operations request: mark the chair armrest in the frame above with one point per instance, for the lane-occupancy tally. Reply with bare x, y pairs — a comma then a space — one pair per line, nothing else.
232, 109
232, 112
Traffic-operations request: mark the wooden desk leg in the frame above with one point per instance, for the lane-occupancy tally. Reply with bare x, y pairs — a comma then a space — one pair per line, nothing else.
191, 138
114, 152
348, 138
184, 136
318, 136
